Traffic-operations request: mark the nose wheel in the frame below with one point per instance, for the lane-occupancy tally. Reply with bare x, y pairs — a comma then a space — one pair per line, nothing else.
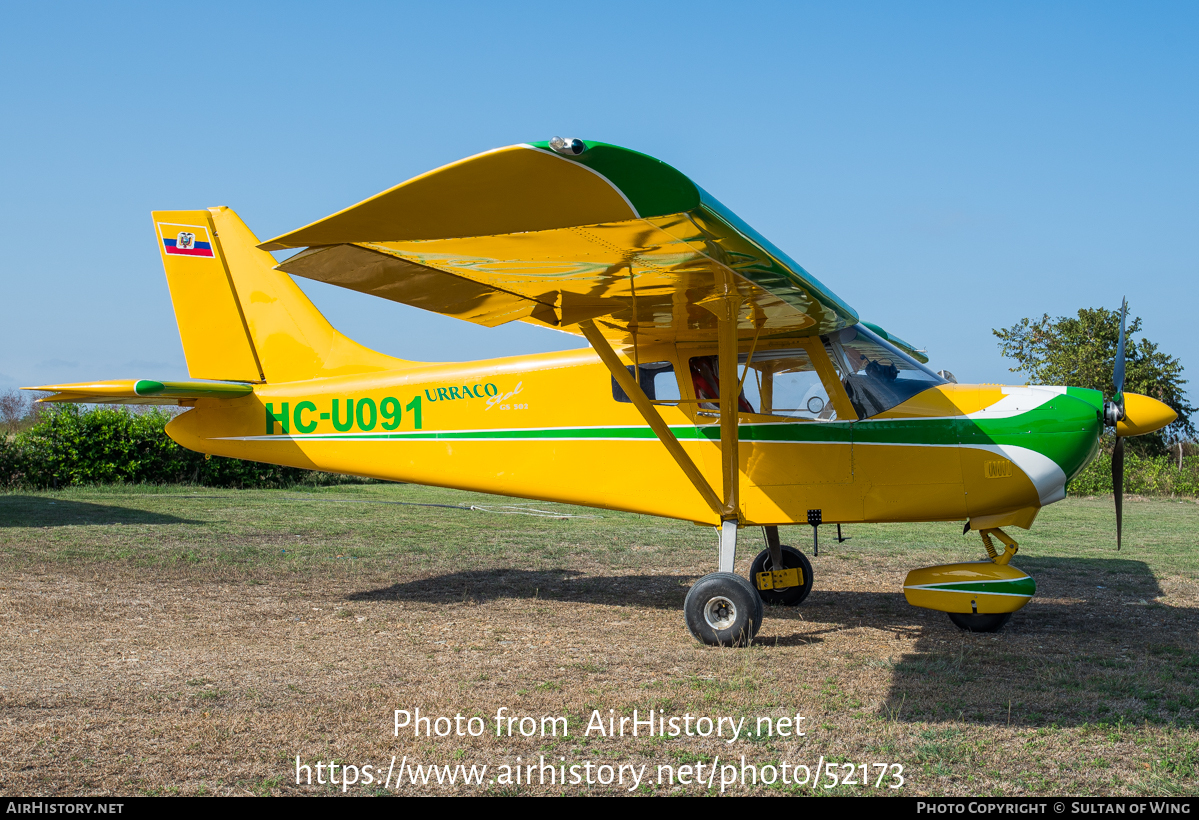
979, 623
788, 588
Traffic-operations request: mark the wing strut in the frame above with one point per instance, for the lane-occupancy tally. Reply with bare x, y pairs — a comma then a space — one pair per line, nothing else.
726, 309
632, 389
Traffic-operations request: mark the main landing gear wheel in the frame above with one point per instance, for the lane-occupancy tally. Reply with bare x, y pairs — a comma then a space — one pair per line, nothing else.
792, 559
979, 623
723, 609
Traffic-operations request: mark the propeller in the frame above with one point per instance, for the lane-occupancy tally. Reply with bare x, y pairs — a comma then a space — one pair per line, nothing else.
1118, 485
1113, 412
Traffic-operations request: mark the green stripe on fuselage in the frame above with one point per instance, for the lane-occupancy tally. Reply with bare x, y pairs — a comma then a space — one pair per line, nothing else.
1064, 429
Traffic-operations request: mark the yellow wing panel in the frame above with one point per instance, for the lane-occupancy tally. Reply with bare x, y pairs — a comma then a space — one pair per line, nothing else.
400, 280
517, 188
538, 234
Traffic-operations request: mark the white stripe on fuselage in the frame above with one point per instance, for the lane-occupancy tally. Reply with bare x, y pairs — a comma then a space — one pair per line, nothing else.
1017, 400
1048, 478
1042, 471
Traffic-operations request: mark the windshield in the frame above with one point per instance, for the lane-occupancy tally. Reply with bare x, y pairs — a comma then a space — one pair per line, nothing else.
880, 376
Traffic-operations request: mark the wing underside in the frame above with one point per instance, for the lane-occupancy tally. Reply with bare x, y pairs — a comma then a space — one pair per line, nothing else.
526, 234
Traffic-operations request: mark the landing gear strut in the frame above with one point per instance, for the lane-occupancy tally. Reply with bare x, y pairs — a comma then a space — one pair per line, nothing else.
979, 596
723, 609
974, 622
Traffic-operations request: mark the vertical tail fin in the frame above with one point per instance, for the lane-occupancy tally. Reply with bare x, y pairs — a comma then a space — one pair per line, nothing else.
239, 318
216, 339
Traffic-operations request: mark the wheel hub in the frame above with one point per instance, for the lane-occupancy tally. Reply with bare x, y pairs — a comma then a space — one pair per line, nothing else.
720, 612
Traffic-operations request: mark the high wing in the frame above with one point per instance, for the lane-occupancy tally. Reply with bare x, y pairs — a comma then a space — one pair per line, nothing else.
142, 391
558, 237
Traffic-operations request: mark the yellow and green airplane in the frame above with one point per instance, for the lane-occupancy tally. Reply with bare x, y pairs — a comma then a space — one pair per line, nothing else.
723, 384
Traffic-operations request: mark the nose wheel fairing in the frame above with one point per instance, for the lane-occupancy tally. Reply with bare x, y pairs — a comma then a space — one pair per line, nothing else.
968, 591
976, 588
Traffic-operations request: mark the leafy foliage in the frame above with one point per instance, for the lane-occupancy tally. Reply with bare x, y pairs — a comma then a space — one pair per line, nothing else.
1143, 475
67, 444
1081, 352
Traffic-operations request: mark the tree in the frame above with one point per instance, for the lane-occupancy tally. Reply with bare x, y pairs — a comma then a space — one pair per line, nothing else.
1081, 352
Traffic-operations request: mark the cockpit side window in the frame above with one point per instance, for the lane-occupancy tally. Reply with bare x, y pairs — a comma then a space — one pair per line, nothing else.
777, 383
657, 380
705, 378
875, 374
786, 383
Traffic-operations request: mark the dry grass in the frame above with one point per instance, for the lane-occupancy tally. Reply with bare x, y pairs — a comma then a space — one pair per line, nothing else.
171, 641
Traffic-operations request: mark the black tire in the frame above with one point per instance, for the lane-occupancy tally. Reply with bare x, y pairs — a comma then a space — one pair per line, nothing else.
979, 623
723, 609
792, 559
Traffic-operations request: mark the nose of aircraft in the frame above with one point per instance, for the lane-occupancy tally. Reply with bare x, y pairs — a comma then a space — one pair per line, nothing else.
1143, 414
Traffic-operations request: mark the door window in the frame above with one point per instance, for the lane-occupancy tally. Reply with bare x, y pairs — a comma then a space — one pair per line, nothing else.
657, 380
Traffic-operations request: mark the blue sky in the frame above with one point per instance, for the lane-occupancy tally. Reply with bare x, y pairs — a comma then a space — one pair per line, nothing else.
946, 168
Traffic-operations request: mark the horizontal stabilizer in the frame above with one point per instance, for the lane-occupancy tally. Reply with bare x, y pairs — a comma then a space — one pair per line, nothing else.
142, 391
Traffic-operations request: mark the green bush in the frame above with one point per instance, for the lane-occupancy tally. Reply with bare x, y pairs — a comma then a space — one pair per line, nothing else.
1143, 475
104, 445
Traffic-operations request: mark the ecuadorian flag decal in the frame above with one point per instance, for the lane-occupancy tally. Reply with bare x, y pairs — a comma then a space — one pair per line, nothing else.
185, 240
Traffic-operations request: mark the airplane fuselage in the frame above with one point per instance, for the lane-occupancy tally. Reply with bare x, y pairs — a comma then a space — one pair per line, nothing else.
548, 427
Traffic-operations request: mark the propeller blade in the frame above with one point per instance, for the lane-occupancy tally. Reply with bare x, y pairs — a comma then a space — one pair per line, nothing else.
1118, 485
1118, 374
